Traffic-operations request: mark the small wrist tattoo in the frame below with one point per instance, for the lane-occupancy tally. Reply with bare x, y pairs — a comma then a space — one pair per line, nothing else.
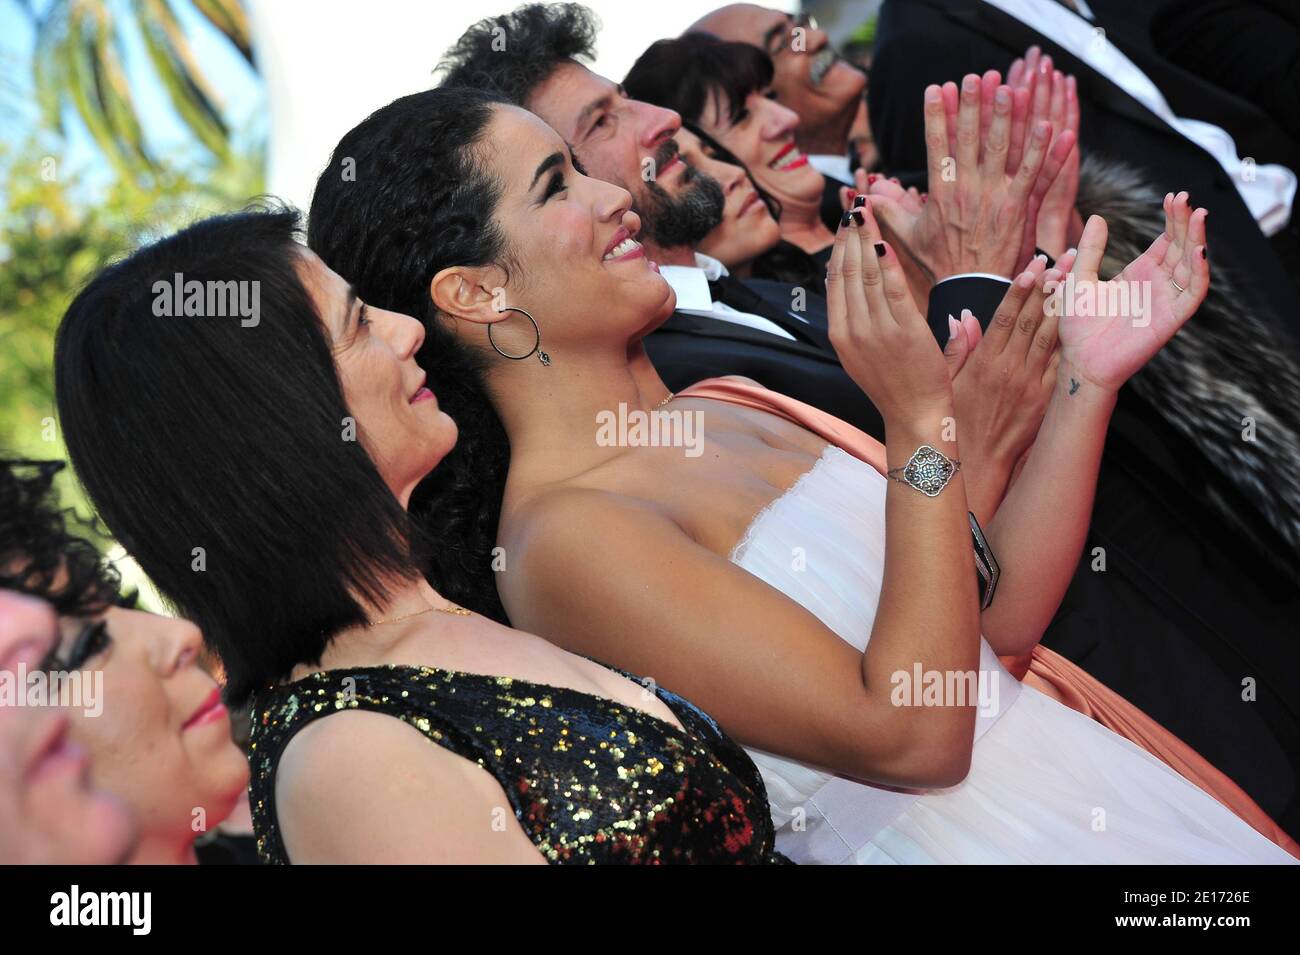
1074, 385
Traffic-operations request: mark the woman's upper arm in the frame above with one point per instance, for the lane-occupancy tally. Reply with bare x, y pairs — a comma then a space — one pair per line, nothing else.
362, 787
620, 582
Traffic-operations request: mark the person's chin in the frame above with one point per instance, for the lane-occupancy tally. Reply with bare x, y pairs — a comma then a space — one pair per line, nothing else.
658, 309
111, 830
444, 439
844, 83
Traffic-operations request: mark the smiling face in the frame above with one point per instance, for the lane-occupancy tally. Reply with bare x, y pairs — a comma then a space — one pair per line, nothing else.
50, 813
398, 420
762, 137
810, 77
747, 229
630, 144
161, 739
573, 258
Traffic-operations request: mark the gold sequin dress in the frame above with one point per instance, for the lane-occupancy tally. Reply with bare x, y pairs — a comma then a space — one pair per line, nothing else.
590, 780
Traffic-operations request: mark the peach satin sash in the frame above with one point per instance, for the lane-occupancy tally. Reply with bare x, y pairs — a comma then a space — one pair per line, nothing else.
1043, 669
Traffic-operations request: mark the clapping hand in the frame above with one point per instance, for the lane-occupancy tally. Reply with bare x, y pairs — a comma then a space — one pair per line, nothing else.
981, 211
1053, 96
1109, 330
882, 339
1003, 381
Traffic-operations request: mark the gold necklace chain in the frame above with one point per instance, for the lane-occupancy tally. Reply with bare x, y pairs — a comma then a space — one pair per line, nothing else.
453, 609
670, 397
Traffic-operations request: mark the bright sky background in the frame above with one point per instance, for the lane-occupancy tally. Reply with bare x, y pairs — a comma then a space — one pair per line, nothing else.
325, 65
327, 71
240, 90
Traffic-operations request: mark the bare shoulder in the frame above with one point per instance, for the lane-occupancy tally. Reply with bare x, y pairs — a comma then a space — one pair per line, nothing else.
365, 787
571, 514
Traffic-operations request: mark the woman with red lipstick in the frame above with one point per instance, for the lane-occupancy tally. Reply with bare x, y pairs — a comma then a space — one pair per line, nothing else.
50, 811
154, 733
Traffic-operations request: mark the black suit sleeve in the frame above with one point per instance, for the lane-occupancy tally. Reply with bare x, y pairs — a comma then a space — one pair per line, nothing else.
899, 75
981, 295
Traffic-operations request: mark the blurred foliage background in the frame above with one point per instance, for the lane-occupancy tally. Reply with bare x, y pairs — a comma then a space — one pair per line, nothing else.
114, 133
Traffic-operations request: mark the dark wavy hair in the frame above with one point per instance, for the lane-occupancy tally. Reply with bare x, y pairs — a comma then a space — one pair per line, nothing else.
514, 53
420, 201
39, 553
201, 432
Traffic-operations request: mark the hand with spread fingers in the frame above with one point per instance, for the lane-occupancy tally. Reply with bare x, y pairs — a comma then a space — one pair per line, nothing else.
882, 339
1110, 329
1003, 381
981, 211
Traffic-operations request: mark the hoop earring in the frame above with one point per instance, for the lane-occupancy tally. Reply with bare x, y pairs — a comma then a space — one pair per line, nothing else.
537, 345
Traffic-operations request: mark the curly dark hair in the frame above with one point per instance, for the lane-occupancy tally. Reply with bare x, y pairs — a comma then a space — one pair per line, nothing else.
514, 53
420, 201
39, 554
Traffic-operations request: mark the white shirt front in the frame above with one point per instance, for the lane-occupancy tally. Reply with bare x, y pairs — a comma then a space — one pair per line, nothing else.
691, 283
1267, 189
832, 167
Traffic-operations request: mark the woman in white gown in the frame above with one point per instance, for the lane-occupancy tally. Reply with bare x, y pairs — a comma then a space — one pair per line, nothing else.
1046, 784
735, 558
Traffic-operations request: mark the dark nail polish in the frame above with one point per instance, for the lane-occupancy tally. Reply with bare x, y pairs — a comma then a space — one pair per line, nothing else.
859, 202
1205, 254
846, 219
880, 249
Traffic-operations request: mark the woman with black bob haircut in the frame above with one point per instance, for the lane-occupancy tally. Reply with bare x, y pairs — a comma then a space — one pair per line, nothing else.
257, 466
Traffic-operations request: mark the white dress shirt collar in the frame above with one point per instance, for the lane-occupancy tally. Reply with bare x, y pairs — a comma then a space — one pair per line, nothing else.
1267, 189
691, 283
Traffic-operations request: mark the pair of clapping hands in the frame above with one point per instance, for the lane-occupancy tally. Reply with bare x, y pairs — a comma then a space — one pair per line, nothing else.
1003, 169
1086, 333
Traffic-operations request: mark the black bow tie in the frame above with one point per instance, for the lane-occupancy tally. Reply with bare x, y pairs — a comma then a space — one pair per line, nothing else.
736, 294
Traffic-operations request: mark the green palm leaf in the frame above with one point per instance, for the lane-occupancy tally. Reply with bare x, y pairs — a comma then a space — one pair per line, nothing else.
181, 76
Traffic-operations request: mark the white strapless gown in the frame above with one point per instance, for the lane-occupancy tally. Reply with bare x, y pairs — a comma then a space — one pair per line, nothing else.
1046, 784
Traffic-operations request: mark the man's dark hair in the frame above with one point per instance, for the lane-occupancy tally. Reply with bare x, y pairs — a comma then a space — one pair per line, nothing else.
514, 53
39, 553
202, 432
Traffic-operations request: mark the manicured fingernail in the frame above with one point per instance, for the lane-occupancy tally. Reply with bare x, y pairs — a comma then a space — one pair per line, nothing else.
932, 94
1071, 252
872, 177
970, 83
967, 315
859, 202
1003, 96
846, 219
1040, 257
1205, 253
880, 249
953, 328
